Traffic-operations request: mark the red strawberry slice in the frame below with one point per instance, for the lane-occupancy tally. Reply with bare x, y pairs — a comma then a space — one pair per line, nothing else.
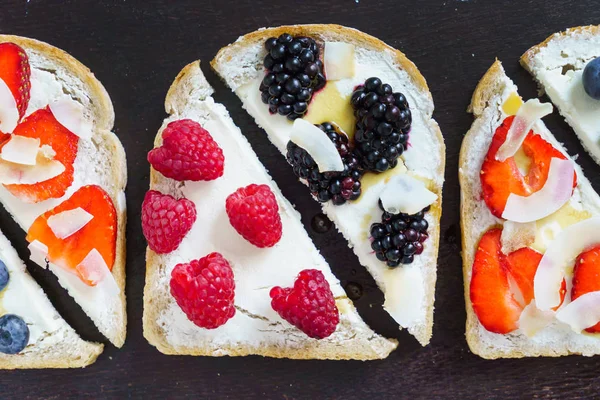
497, 305
4, 137
15, 72
42, 125
493, 303
586, 277
100, 233
500, 179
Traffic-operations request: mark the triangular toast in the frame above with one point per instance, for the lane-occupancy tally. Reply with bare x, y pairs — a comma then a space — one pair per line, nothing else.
52, 342
494, 99
557, 64
100, 161
409, 288
255, 328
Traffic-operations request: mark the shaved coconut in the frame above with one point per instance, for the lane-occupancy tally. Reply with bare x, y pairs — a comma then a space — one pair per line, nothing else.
93, 269
582, 313
47, 151
516, 235
21, 150
338, 60
69, 222
526, 117
404, 295
533, 320
45, 169
561, 254
9, 113
557, 190
38, 253
69, 114
405, 194
317, 144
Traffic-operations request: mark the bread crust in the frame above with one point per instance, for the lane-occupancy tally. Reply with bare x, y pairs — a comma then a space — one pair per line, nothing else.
492, 84
371, 348
527, 57
349, 35
104, 116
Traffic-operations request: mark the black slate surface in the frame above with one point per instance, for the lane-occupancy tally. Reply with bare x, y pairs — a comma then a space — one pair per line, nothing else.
136, 48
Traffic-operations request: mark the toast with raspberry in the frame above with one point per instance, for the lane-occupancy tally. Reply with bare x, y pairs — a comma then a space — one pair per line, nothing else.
567, 67
49, 341
71, 202
372, 102
502, 258
230, 270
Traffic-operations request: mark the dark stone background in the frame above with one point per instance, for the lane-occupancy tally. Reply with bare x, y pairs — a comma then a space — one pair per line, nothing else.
136, 48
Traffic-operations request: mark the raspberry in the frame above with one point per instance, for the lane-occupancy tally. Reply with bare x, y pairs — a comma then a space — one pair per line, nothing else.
166, 221
205, 290
254, 213
309, 305
188, 153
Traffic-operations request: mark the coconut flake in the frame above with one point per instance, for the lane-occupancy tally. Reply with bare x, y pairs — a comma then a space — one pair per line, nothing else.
581, 313
21, 150
533, 320
69, 222
557, 190
70, 114
317, 144
9, 113
338, 60
561, 253
94, 270
405, 194
15, 174
526, 117
38, 253
516, 235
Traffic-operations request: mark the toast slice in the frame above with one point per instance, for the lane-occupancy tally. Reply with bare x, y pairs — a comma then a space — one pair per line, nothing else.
557, 64
255, 327
52, 342
409, 289
100, 161
494, 95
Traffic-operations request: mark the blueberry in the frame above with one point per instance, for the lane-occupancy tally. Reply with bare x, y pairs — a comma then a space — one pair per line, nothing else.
14, 334
3, 275
591, 79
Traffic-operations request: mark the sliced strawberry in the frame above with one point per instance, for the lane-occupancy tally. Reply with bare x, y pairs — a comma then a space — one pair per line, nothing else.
100, 233
42, 125
498, 305
522, 265
15, 72
500, 179
494, 304
586, 277
3, 139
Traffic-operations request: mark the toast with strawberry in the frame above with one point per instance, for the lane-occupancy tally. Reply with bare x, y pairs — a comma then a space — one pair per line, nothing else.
63, 175
230, 269
530, 236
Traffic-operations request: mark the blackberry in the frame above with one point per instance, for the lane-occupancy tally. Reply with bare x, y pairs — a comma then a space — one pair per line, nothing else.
383, 121
294, 72
399, 237
338, 187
